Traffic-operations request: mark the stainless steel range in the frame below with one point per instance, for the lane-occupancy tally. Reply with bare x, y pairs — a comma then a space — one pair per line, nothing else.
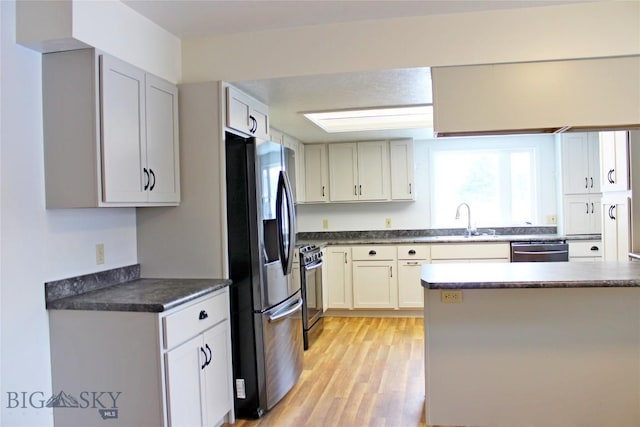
311, 284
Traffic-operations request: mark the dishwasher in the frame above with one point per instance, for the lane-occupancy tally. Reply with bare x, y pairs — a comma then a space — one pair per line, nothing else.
551, 251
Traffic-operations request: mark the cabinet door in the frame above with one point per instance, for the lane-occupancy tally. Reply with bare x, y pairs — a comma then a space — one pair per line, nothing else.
410, 290
582, 215
246, 114
401, 169
614, 160
123, 132
375, 284
162, 140
259, 115
315, 173
615, 230
343, 172
184, 386
580, 163
217, 374
373, 170
338, 285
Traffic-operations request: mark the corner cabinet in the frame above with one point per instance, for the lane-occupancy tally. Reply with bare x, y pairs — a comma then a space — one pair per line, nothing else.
246, 114
170, 369
110, 133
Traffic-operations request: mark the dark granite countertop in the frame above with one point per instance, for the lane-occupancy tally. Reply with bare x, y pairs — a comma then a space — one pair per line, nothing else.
145, 295
399, 240
122, 289
531, 275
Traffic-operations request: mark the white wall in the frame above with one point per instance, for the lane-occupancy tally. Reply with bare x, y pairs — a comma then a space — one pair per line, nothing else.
38, 245
583, 30
417, 214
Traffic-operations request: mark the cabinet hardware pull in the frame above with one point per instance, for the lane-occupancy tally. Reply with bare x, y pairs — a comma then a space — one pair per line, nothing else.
412, 252
361, 190
146, 174
372, 252
254, 124
391, 270
586, 182
594, 248
203, 315
410, 188
345, 257
592, 207
413, 263
210, 354
355, 190
205, 358
587, 204
153, 175
609, 176
611, 215
323, 191
591, 182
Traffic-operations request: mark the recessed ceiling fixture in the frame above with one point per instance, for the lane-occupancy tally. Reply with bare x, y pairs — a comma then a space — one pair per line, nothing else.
410, 117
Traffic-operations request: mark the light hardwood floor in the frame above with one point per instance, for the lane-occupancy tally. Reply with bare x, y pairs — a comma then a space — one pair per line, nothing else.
360, 372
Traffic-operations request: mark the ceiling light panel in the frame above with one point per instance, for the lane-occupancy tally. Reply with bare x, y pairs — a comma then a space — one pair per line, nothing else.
412, 117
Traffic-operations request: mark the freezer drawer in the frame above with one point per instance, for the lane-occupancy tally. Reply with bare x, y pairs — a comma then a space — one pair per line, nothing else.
283, 350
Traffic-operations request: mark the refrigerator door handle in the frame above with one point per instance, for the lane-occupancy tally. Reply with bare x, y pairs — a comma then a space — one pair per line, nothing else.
284, 313
285, 195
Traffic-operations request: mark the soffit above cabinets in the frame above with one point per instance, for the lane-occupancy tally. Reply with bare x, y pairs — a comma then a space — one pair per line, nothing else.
537, 97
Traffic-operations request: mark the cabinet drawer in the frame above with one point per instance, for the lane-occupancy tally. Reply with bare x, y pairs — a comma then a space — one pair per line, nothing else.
465, 251
413, 252
373, 252
192, 320
586, 248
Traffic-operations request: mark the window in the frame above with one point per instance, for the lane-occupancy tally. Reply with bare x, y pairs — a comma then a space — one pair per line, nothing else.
498, 179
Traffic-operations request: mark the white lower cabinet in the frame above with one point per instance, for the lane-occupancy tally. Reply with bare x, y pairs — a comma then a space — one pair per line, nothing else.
338, 283
196, 373
375, 277
410, 260
153, 369
585, 250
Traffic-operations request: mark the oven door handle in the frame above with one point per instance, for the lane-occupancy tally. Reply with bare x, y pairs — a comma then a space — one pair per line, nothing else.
284, 313
313, 266
539, 252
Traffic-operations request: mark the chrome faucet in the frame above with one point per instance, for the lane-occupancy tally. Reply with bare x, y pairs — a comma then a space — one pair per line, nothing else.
470, 230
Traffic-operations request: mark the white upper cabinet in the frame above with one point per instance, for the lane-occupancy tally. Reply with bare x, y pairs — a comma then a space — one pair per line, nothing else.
359, 171
316, 173
614, 159
402, 169
247, 115
580, 163
110, 133
298, 174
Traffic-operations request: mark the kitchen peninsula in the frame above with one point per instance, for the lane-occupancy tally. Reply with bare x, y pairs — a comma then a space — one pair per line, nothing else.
532, 344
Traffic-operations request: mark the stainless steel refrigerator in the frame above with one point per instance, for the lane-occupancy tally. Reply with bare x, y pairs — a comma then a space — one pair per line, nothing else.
265, 304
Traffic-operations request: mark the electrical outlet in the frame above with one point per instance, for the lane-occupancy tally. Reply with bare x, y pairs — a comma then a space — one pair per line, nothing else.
387, 222
325, 224
451, 297
100, 253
